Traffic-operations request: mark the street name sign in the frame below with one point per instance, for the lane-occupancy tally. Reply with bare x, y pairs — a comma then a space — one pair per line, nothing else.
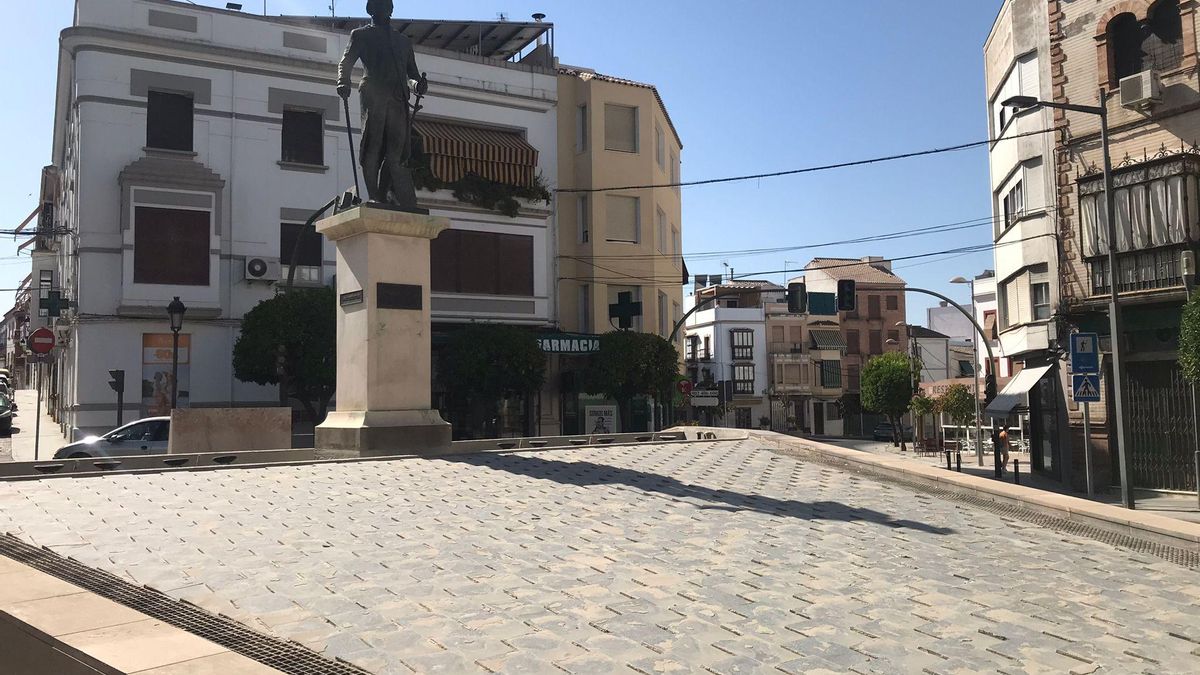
1085, 353
1085, 388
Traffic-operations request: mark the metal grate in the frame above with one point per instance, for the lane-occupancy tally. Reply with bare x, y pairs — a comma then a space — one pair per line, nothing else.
1172, 554
283, 655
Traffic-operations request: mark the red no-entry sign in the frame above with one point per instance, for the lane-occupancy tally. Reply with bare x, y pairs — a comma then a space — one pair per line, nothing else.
41, 341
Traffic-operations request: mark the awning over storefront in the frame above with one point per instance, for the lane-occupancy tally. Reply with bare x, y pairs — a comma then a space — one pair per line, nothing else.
827, 339
1017, 387
455, 150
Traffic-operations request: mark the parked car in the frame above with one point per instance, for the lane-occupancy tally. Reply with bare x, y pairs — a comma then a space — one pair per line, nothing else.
883, 432
143, 437
7, 408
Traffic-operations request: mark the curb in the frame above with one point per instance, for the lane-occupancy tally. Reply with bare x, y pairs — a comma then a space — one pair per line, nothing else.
1160, 529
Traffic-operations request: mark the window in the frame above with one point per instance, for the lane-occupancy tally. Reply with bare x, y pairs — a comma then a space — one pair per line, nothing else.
663, 329
894, 336
833, 412
169, 123
692, 348
852, 377
585, 308
170, 246
742, 342
45, 285
893, 302
660, 148
743, 378
791, 373
675, 171
1013, 206
1039, 289
674, 240
707, 353
796, 334
583, 216
778, 335
743, 418
308, 256
581, 128
661, 225
831, 374
874, 342
1021, 79
303, 137
635, 295
1156, 43
620, 128
623, 218
873, 307
1149, 214
852, 342
482, 263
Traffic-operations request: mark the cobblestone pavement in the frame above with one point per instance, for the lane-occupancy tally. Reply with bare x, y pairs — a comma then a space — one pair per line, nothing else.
670, 558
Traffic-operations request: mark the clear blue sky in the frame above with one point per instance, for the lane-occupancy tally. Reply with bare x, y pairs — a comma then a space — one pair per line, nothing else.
753, 86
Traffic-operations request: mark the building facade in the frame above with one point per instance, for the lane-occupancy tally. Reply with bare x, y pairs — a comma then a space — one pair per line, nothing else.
192, 143
805, 355
1017, 58
614, 236
1143, 54
877, 324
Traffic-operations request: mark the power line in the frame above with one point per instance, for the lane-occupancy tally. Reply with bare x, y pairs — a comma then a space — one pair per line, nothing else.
675, 280
810, 169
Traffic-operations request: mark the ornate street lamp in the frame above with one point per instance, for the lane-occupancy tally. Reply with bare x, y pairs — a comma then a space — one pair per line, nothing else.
175, 311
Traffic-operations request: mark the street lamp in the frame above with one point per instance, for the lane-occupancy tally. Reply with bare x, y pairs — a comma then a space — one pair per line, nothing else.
1114, 304
175, 311
975, 375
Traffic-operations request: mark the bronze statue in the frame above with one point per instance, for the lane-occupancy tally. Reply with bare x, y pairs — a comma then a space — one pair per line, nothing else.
391, 76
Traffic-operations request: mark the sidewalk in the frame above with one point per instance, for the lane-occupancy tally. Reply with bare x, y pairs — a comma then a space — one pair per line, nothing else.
23, 429
1179, 506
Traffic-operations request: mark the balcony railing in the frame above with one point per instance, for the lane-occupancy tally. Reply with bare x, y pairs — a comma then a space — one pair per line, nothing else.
1139, 271
786, 347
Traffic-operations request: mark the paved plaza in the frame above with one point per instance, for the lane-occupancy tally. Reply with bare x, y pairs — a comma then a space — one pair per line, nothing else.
682, 557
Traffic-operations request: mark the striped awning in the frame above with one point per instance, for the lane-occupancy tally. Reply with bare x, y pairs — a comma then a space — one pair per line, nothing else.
827, 339
455, 150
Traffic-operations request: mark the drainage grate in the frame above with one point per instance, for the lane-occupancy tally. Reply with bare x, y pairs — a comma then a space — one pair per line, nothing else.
283, 655
1172, 554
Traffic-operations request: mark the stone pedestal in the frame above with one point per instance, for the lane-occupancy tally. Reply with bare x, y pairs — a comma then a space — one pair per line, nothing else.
383, 335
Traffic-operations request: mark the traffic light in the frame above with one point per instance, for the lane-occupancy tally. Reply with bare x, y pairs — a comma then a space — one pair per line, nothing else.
989, 388
845, 295
797, 298
117, 381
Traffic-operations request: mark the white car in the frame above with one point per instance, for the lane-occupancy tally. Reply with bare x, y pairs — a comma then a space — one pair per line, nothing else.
143, 437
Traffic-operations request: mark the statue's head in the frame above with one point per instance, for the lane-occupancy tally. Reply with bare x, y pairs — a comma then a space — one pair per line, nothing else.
380, 10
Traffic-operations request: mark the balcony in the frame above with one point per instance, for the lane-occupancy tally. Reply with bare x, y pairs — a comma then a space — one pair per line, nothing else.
786, 347
1157, 219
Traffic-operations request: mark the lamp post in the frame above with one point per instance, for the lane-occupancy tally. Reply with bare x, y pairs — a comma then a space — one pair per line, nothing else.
1114, 303
975, 374
175, 311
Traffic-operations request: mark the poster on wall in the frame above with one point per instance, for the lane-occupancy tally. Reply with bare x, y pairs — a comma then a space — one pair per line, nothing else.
156, 373
601, 419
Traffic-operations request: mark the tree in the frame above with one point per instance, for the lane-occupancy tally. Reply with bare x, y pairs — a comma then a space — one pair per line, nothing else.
886, 387
631, 364
921, 406
484, 362
291, 340
959, 403
1189, 340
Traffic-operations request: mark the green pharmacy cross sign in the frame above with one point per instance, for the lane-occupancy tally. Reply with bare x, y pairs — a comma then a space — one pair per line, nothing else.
569, 343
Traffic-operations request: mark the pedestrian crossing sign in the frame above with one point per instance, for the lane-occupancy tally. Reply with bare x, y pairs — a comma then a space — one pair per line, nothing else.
1085, 388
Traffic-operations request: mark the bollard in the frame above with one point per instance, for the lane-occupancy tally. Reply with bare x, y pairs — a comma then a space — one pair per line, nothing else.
1017, 471
947, 460
958, 461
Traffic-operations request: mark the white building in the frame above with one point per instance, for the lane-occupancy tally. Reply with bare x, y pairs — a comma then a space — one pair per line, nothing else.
728, 341
948, 321
1026, 217
219, 133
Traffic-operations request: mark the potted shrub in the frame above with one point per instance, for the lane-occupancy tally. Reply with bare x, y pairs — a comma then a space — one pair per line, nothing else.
764, 423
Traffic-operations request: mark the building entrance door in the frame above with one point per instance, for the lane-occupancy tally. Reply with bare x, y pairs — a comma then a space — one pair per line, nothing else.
819, 418
1162, 434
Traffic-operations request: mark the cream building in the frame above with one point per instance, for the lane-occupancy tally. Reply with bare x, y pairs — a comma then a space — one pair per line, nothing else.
616, 233
1143, 54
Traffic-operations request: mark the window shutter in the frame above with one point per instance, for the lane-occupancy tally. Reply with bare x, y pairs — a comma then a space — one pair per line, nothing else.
1024, 311
620, 128
1027, 72
1087, 217
622, 218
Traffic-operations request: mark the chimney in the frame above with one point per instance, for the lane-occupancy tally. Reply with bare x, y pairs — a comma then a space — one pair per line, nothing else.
537, 18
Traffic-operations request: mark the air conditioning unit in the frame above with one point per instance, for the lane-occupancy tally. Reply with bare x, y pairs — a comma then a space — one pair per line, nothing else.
1140, 91
263, 269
